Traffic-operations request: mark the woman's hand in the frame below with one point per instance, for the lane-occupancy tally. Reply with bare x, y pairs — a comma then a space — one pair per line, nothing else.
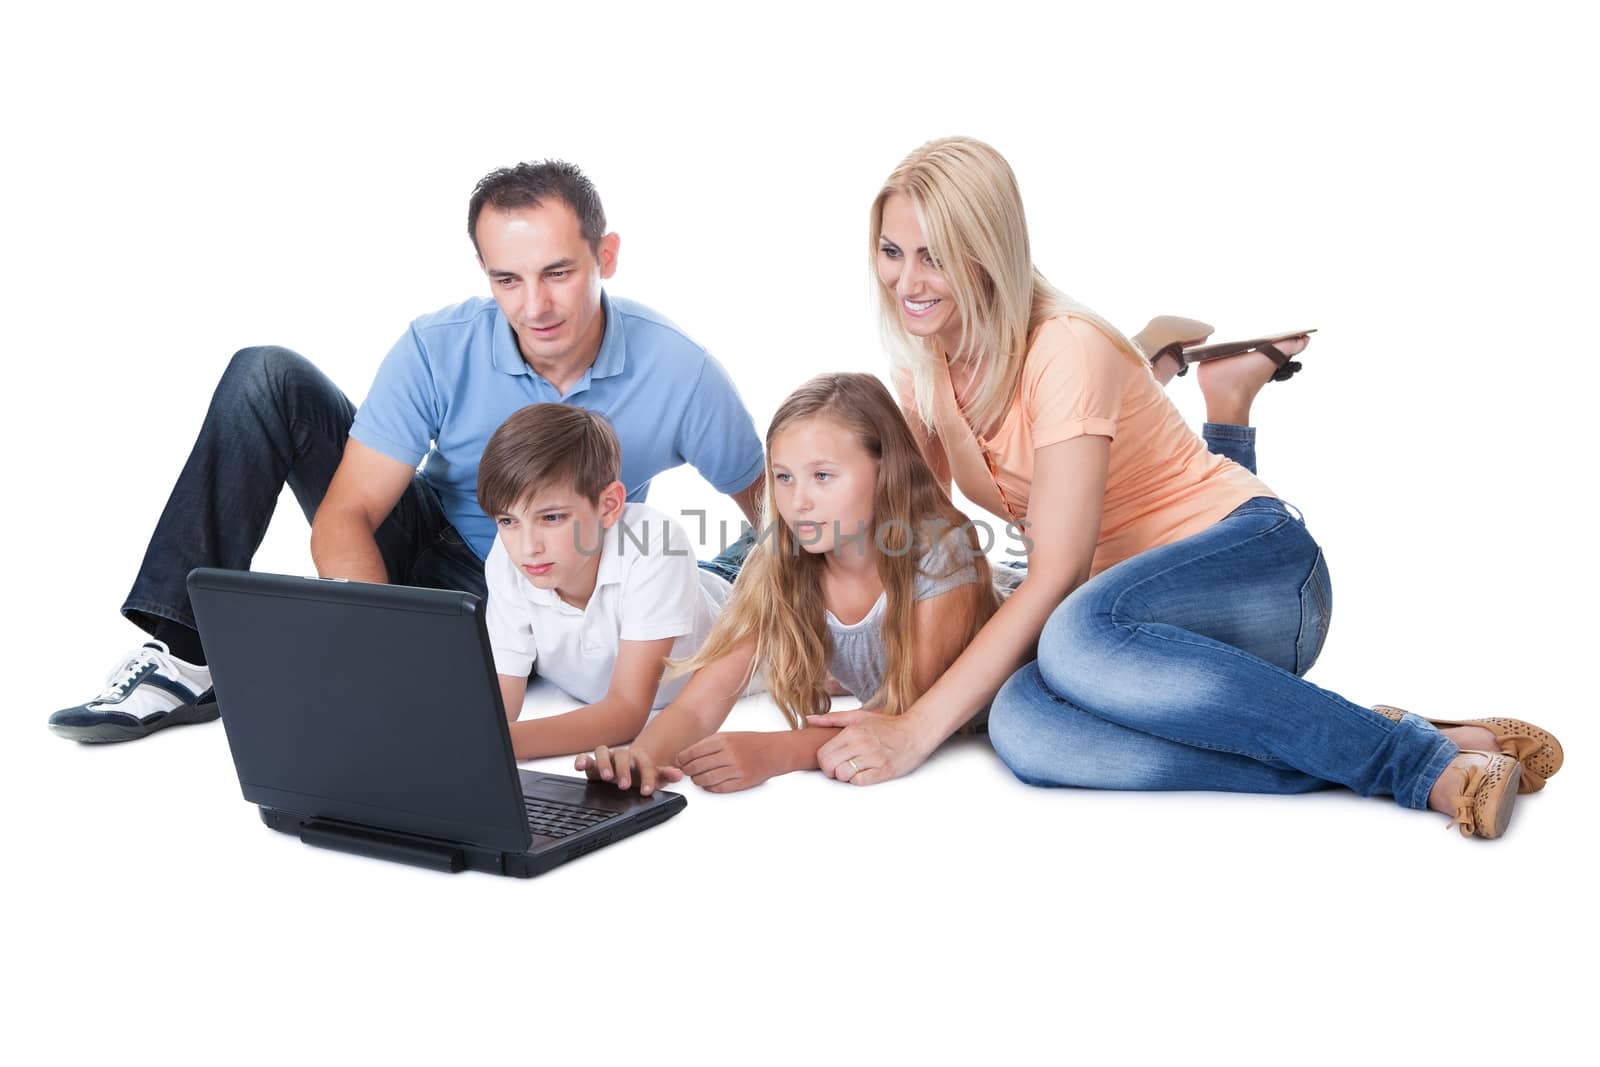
871, 747
727, 763
627, 765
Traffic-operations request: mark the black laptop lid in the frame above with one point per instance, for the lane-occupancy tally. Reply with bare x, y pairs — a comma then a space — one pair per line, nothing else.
371, 704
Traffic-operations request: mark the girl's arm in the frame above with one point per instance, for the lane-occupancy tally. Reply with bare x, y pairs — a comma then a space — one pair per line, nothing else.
699, 709
729, 762
1064, 526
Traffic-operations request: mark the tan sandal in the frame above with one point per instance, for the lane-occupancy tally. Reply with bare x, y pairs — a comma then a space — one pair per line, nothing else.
1537, 750
1487, 795
1169, 335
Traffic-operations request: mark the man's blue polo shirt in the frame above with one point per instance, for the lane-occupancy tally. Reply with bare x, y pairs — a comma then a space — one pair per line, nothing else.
457, 374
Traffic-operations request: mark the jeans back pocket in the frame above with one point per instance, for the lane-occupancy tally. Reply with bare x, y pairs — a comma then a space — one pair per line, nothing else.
1316, 612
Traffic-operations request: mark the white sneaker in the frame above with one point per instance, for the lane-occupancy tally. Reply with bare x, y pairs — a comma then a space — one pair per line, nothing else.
150, 690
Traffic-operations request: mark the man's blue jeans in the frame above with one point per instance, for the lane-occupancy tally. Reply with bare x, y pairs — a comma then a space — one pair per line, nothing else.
275, 419
1180, 669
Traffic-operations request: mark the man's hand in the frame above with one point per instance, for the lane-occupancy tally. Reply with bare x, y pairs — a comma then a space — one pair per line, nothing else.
749, 501
364, 490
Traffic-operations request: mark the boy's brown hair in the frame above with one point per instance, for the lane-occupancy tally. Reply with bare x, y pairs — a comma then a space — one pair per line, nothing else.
547, 445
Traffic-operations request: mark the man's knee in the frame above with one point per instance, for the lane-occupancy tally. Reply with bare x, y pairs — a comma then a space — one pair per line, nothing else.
264, 369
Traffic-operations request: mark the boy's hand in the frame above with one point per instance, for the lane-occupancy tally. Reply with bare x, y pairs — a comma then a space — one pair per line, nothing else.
727, 763
627, 765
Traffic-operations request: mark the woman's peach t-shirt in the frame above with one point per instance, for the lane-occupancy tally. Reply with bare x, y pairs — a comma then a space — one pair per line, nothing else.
1162, 485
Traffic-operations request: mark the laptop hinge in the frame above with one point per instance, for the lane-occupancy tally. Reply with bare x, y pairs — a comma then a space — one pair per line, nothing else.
383, 845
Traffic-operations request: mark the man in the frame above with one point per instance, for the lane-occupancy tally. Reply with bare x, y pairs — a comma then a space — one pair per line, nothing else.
550, 333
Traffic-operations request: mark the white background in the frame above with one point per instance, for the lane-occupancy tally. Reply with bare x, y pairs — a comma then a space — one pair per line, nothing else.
1414, 180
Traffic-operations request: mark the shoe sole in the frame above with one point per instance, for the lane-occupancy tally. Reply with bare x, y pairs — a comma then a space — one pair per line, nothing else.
1502, 817
110, 732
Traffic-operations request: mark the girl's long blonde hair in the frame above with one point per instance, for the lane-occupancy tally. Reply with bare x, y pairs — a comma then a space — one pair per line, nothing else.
970, 208
778, 597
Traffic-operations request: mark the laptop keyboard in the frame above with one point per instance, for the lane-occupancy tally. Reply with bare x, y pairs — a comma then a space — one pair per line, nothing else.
553, 819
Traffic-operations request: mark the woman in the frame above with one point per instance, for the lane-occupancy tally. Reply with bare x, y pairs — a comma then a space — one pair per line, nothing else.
1173, 599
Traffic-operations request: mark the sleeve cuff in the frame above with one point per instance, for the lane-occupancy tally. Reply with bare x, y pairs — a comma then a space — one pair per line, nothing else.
513, 664
744, 481
404, 453
655, 631
1078, 428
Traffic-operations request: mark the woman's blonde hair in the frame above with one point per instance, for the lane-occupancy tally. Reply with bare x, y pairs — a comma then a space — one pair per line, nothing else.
778, 597
970, 208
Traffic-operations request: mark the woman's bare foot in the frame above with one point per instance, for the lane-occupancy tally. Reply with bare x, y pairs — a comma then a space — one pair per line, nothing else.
1230, 384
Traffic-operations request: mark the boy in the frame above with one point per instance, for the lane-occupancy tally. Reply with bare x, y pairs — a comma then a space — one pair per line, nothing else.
594, 591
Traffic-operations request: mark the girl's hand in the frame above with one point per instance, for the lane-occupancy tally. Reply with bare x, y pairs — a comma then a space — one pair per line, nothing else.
627, 765
727, 763
871, 747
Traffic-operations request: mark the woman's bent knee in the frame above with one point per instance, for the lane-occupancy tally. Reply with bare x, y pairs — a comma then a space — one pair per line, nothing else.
1025, 730
1077, 647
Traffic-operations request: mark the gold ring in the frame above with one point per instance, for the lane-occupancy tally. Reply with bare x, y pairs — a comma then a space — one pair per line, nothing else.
856, 767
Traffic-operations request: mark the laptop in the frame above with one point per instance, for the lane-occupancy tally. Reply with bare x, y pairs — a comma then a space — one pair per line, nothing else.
367, 718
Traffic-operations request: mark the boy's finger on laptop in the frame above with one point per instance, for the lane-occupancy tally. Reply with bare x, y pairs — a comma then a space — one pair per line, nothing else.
650, 775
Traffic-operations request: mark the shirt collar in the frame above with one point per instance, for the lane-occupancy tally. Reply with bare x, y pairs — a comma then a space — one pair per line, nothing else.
608, 362
613, 355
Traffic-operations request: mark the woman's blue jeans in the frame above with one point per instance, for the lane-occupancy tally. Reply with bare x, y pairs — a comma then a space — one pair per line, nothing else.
1181, 669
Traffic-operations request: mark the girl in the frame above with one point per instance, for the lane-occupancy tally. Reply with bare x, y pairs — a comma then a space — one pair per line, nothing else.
870, 574
1173, 599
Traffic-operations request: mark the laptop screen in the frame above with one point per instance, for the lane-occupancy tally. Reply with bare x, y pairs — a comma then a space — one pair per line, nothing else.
370, 704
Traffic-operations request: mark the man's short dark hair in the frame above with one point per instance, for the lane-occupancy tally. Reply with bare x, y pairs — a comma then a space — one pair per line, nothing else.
544, 446
531, 184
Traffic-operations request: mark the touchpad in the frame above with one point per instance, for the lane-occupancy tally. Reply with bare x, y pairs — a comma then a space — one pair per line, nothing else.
600, 795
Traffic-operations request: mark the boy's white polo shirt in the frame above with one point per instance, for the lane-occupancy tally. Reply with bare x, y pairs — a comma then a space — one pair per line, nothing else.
648, 587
